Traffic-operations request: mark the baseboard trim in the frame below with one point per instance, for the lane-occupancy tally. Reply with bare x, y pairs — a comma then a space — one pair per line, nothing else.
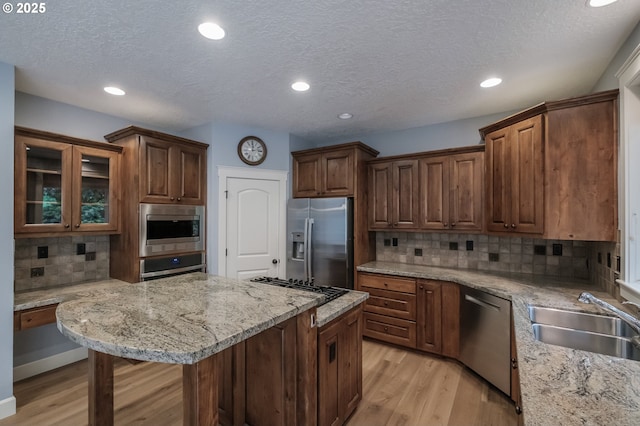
7, 407
46, 364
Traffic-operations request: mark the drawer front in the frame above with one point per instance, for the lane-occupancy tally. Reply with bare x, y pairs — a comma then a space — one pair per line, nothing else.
391, 303
38, 316
388, 329
386, 282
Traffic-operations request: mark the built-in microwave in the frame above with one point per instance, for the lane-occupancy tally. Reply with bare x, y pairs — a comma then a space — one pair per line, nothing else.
170, 228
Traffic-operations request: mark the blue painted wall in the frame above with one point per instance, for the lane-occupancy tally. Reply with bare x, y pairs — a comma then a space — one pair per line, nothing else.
7, 90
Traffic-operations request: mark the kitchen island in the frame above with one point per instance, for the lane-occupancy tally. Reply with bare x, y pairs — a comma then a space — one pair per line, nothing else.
187, 320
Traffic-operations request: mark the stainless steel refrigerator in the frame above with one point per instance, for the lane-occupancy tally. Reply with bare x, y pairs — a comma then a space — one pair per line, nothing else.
320, 241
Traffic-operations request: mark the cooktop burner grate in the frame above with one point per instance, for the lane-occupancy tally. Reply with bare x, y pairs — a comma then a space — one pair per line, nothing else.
330, 293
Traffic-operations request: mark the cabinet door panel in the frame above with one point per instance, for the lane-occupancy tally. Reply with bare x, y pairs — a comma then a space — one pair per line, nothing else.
527, 177
337, 170
465, 211
434, 193
154, 169
380, 177
405, 194
96, 191
429, 319
43, 186
329, 349
498, 157
351, 363
389, 329
191, 175
306, 176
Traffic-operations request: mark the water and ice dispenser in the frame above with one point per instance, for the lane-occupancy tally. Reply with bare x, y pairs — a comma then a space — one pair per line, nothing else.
298, 245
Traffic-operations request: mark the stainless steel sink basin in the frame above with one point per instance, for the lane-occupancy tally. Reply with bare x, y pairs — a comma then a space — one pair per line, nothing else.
588, 332
580, 321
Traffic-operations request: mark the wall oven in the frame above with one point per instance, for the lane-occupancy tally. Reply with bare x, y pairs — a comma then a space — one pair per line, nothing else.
171, 229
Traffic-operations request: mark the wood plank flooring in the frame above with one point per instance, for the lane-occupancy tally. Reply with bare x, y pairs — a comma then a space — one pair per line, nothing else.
399, 388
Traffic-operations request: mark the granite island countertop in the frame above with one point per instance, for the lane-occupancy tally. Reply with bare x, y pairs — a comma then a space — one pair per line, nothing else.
558, 385
181, 319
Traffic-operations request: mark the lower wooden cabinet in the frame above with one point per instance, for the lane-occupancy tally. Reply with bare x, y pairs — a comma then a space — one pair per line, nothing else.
340, 368
429, 318
35, 317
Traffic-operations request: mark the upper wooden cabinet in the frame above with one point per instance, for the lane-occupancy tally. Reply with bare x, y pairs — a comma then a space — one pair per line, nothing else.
170, 169
328, 171
451, 189
393, 186
552, 170
64, 184
515, 188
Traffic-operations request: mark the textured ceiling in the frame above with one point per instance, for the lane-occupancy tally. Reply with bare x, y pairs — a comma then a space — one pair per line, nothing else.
392, 64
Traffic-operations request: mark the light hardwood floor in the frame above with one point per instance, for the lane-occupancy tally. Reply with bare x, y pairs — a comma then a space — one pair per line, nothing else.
399, 388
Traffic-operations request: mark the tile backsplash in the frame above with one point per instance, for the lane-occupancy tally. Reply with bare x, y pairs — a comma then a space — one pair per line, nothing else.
606, 269
62, 264
569, 259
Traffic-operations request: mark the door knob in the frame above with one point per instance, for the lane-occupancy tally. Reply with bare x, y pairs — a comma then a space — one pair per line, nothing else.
274, 261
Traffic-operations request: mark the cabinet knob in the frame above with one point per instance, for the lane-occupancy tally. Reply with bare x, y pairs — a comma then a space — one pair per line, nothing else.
421, 287
386, 329
66, 225
386, 303
506, 225
453, 224
446, 224
386, 284
179, 199
171, 198
77, 225
513, 225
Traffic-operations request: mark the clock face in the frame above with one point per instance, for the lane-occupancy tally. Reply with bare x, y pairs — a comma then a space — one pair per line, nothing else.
252, 150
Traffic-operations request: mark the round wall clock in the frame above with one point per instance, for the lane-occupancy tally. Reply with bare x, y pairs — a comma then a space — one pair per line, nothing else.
252, 150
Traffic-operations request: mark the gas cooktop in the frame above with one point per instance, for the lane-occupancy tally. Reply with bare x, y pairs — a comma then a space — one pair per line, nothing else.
330, 293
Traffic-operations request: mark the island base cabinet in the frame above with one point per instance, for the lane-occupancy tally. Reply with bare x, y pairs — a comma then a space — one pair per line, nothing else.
339, 368
271, 378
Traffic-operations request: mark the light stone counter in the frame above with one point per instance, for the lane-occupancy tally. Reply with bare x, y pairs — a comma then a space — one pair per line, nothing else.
182, 319
558, 385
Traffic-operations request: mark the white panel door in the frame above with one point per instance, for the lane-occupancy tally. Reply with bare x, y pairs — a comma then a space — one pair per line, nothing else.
253, 228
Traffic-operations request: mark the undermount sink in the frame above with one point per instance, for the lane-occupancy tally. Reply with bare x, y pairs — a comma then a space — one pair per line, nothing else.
588, 332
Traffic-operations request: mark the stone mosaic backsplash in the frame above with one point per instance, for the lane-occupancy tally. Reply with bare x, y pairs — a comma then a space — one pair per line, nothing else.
571, 259
605, 258
50, 262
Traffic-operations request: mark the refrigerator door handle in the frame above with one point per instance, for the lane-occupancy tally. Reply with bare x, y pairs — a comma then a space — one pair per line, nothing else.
309, 254
305, 242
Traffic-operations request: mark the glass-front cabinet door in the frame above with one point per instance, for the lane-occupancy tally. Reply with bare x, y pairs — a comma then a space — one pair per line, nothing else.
94, 195
61, 187
42, 186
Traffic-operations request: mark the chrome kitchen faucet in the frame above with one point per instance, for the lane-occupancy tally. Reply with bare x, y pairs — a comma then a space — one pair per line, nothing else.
632, 321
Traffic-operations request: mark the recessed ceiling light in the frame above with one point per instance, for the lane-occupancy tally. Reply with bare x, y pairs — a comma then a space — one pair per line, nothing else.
490, 82
211, 31
345, 116
114, 91
600, 3
300, 86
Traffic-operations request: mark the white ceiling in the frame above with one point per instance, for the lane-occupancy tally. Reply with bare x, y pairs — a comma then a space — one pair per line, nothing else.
393, 64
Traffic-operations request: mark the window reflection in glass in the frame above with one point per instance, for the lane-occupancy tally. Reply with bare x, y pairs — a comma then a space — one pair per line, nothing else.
95, 190
44, 186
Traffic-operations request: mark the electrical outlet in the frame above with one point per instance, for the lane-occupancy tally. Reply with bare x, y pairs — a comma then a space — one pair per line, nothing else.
90, 256
608, 260
494, 257
540, 250
453, 245
556, 249
37, 272
81, 248
470, 245
600, 258
417, 252
43, 252
394, 242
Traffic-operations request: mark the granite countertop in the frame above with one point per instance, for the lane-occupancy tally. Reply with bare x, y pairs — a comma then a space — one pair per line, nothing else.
558, 385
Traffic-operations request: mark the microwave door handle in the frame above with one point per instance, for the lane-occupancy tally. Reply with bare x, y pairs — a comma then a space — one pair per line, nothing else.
310, 251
